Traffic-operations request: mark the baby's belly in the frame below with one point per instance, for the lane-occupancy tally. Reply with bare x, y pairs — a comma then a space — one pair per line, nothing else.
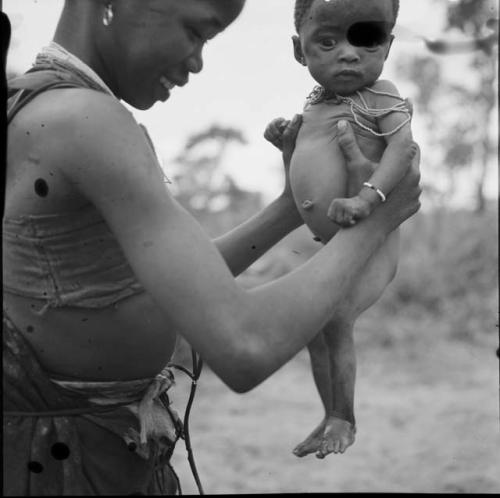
318, 174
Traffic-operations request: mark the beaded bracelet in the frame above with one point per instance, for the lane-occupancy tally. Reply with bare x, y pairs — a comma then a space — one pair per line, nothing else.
379, 192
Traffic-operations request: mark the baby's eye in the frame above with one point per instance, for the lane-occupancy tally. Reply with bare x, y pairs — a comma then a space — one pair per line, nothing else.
327, 42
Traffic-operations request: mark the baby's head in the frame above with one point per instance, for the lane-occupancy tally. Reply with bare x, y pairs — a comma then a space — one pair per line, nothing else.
344, 43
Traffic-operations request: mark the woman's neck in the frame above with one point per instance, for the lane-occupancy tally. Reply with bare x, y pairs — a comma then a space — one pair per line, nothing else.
79, 33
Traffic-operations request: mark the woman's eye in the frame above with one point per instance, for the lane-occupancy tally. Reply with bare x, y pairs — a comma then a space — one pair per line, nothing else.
195, 35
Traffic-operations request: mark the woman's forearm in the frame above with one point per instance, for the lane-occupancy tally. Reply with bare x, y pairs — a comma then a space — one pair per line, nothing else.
289, 311
249, 241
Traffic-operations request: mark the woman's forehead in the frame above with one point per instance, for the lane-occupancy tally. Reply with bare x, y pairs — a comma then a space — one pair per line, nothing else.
346, 12
225, 11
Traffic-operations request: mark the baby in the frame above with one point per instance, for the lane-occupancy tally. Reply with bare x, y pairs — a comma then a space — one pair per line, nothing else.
344, 44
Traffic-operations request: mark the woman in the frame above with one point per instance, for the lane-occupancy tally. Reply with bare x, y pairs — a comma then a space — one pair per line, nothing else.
102, 268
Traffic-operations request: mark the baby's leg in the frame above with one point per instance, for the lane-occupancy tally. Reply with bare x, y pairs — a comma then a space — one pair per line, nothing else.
340, 425
320, 365
381, 268
336, 389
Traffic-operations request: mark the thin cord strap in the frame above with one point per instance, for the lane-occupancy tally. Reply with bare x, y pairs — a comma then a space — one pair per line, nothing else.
364, 110
194, 376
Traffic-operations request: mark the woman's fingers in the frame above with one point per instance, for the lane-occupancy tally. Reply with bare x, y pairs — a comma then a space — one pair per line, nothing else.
291, 130
348, 144
409, 104
289, 136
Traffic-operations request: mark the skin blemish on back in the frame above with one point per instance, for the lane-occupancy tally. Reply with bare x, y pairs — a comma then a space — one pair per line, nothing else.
60, 451
254, 247
35, 467
30, 328
41, 187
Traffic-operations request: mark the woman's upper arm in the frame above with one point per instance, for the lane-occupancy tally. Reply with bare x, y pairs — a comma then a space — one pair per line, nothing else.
111, 163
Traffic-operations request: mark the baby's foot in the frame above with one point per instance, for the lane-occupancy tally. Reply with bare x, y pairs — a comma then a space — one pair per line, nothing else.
312, 442
337, 437
345, 212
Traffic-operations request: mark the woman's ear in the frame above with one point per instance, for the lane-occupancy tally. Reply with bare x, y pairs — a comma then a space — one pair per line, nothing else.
297, 50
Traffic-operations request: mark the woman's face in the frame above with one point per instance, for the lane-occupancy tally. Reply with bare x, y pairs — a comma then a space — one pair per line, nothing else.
153, 45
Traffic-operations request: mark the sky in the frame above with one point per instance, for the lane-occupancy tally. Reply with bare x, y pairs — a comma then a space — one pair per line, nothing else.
249, 78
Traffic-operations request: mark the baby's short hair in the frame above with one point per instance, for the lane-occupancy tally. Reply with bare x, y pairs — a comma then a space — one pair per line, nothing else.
302, 8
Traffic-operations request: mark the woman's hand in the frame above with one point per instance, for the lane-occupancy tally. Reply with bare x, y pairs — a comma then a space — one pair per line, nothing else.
282, 134
403, 202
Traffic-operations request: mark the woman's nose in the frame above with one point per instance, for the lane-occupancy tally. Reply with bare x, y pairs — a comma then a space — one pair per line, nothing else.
195, 62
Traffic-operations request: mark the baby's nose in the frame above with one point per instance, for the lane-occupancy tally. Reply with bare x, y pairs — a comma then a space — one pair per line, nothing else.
348, 53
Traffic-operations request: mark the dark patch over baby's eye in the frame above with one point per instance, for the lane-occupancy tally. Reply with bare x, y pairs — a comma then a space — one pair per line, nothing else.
368, 34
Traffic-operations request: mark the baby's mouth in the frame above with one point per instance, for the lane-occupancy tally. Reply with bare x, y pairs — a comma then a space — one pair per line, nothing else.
348, 73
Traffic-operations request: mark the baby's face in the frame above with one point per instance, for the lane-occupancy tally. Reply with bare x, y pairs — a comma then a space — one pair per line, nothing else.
344, 43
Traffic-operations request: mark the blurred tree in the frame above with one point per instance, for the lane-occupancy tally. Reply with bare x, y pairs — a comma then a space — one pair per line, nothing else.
473, 18
457, 117
201, 186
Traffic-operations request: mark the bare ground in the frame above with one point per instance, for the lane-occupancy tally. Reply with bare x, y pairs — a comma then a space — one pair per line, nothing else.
428, 421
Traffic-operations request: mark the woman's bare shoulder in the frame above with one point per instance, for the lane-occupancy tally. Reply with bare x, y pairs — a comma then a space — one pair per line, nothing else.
62, 111
81, 128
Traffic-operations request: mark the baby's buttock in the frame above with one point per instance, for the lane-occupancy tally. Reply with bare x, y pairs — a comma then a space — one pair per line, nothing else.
318, 172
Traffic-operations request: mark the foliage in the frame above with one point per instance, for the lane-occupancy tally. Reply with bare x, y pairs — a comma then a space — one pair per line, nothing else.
458, 117
201, 186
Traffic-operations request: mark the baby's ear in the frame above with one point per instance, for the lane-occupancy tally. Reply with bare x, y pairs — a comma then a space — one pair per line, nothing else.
297, 50
391, 39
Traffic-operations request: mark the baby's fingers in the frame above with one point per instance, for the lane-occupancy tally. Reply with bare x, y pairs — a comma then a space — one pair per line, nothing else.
274, 132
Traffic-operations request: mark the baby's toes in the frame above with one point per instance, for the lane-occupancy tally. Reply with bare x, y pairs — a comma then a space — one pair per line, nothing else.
328, 446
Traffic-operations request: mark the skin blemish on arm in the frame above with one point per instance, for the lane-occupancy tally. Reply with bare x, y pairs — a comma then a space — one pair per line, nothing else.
41, 187
30, 328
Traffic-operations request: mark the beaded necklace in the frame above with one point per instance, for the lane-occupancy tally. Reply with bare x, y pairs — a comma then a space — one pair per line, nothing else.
320, 94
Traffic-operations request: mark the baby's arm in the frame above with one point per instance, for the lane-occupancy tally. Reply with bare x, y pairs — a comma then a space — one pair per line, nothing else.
389, 173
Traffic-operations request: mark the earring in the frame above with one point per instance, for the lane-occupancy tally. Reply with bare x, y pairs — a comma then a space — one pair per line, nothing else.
107, 17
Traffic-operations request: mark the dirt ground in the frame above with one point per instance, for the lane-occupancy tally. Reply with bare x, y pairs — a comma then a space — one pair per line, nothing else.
428, 421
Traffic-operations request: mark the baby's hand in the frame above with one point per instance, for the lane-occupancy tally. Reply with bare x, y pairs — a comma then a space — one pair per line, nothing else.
338, 435
274, 131
345, 212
